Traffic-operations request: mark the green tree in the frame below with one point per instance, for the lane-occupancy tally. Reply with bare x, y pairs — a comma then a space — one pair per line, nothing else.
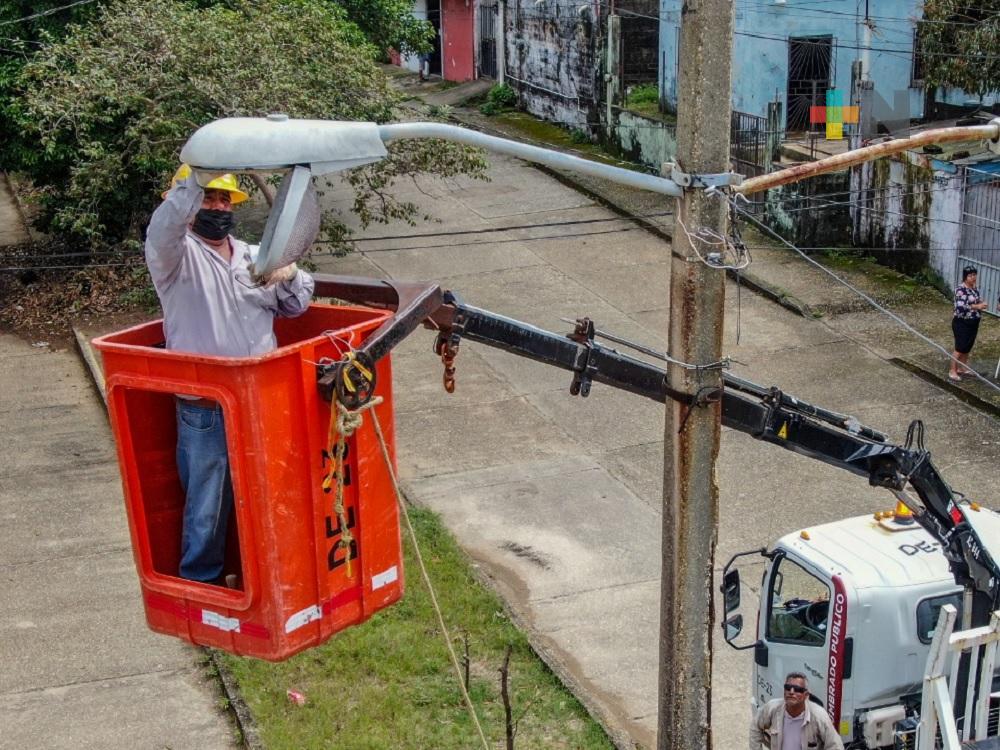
24, 26
109, 106
389, 24
960, 45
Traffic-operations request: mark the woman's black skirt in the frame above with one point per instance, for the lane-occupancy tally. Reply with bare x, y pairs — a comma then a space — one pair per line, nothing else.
965, 330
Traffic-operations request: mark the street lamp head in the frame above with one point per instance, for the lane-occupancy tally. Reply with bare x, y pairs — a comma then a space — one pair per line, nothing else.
275, 143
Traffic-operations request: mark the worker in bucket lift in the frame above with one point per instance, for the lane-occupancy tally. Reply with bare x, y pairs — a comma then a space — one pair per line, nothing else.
792, 722
212, 304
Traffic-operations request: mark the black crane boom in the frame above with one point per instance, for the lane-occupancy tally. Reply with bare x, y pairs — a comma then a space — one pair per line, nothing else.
767, 414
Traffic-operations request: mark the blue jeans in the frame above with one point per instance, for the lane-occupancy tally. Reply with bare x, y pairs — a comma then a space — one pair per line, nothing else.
203, 465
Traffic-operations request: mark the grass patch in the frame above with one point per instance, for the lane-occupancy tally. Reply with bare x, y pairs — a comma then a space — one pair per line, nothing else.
549, 133
886, 282
644, 99
389, 683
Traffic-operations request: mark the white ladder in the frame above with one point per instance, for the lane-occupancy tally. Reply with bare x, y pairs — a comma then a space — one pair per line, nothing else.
941, 678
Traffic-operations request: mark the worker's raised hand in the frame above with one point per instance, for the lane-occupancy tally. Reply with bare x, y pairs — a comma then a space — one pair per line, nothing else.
281, 275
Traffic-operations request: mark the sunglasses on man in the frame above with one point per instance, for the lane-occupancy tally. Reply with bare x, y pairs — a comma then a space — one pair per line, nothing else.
794, 688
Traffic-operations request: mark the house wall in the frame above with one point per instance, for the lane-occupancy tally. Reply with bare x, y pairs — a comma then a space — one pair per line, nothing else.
947, 203
958, 98
412, 62
760, 50
458, 46
805, 220
910, 201
554, 57
642, 139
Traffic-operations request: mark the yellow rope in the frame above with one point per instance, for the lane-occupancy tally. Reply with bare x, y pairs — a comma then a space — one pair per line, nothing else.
426, 577
351, 362
344, 423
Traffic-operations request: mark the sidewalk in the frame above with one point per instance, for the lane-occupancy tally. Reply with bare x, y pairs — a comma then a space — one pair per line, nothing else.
80, 668
12, 228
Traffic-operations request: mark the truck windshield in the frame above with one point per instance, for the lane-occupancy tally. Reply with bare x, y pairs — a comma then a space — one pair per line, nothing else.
929, 610
800, 605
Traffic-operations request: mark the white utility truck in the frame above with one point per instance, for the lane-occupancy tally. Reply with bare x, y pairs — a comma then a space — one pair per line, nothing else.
854, 605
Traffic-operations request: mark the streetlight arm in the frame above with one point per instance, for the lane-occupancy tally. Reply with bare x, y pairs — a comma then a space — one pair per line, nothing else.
547, 157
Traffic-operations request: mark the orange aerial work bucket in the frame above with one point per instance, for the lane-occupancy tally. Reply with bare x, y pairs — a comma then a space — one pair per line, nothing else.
298, 584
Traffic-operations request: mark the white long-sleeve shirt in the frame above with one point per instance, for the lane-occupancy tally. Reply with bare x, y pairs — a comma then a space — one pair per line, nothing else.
211, 306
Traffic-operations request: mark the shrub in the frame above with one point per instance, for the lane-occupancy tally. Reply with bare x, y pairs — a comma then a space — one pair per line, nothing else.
502, 95
499, 99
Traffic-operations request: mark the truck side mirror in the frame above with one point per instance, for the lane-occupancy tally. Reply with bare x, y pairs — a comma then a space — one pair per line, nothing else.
733, 627
731, 591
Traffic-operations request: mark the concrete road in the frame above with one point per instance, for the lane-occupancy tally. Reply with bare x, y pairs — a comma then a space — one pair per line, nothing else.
79, 668
557, 497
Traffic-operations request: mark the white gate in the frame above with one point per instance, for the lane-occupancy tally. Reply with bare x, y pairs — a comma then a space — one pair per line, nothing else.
980, 243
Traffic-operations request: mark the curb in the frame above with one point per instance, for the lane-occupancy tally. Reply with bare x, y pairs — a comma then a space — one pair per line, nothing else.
764, 289
946, 385
86, 353
236, 706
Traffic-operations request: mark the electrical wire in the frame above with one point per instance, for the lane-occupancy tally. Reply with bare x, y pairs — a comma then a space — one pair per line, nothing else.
24, 269
505, 241
900, 321
355, 240
86, 254
858, 205
861, 249
562, 235
490, 230
48, 12
820, 12
884, 189
799, 10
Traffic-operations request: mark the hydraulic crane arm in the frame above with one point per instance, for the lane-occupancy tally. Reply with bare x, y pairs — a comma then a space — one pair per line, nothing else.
767, 414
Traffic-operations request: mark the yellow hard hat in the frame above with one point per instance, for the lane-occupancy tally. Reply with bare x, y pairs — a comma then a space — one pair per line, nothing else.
225, 182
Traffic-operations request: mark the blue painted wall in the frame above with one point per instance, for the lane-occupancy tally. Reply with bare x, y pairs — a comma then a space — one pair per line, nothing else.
760, 50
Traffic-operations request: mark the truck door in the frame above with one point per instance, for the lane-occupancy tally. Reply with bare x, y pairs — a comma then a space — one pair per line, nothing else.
800, 631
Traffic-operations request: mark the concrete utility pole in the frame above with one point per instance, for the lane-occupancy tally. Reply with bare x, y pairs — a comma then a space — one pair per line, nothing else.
691, 446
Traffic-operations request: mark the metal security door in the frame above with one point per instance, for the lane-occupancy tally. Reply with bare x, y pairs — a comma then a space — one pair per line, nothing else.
639, 41
434, 16
488, 39
809, 67
748, 150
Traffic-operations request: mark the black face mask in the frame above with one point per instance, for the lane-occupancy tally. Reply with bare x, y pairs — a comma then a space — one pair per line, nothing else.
212, 224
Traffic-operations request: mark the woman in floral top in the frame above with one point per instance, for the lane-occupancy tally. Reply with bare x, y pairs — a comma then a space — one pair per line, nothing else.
965, 324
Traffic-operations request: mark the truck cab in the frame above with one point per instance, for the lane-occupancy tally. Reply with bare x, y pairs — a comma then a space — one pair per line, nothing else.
853, 605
